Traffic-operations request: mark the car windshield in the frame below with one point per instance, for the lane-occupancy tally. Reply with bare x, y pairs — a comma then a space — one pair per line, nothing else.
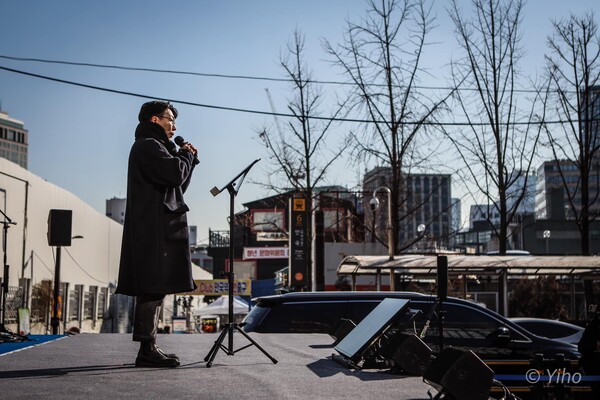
460, 322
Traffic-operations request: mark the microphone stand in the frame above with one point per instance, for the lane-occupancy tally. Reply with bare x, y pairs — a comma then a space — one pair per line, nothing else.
231, 326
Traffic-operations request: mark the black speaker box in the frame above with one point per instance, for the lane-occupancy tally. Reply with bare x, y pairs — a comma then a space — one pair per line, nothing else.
341, 329
59, 227
437, 368
461, 374
413, 356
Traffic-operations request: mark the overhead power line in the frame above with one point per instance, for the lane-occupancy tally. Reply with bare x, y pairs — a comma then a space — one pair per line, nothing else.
164, 71
144, 96
225, 108
212, 75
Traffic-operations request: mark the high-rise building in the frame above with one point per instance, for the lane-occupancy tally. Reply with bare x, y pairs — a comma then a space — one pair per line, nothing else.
115, 209
456, 214
522, 188
428, 207
555, 185
425, 209
483, 215
13, 140
559, 180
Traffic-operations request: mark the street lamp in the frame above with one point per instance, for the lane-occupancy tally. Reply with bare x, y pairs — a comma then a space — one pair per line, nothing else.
546, 236
421, 232
374, 202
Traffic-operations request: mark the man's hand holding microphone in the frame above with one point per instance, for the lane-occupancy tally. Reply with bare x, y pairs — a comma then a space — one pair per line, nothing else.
183, 145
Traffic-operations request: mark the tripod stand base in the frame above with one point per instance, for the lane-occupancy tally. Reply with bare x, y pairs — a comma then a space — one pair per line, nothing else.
6, 335
229, 330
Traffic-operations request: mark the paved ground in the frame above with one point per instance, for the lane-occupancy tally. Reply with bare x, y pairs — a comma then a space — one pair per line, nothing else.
100, 366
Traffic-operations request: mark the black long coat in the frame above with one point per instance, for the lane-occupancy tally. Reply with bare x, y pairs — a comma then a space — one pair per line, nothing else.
155, 255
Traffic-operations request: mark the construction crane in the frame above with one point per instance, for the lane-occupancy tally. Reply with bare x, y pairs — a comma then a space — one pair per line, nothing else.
274, 112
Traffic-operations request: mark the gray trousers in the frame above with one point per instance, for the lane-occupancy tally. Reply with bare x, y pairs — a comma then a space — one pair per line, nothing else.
145, 317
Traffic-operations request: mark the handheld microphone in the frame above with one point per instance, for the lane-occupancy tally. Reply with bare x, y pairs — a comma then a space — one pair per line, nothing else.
180, 141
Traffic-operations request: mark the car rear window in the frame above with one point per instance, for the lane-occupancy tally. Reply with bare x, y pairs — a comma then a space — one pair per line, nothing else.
255, 316
549, 330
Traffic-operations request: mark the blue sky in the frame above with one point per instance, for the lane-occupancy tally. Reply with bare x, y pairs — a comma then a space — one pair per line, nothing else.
79, 138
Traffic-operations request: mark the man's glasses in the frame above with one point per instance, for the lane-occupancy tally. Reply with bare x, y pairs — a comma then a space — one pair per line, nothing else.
167, 118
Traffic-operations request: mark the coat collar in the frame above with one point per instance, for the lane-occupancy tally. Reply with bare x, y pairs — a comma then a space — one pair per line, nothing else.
150, 130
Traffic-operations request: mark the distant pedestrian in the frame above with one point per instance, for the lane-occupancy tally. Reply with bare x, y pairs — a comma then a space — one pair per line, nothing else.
155, 255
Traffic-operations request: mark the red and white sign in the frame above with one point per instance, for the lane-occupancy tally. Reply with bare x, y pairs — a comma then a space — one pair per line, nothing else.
265, 252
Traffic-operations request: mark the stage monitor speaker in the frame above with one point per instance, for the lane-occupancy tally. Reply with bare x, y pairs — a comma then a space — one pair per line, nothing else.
341, 329
366, 333
461, 374
59, 227
413, 356
442, 277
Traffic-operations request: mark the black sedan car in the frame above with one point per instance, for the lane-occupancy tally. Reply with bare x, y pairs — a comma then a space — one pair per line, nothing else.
466, 325
512, 352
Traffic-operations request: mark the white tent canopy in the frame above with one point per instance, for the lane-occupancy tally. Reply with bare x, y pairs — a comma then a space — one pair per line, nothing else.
221, 307
200, 274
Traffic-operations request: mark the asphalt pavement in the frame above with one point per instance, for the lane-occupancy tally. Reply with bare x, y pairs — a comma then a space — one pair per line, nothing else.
101, 366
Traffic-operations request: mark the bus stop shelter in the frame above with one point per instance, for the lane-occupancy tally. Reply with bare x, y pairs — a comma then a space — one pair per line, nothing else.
421, 267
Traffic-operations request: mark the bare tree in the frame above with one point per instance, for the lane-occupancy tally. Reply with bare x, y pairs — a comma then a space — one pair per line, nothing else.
298, 150
497, 150
573, 67
299, 153
381, 57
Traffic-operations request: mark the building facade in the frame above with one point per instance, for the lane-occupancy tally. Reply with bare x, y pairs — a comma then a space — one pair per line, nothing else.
89, 266
115, 209
591, 117
428, 208
425, 207
266, 241
457, 223
556, 181
13, 140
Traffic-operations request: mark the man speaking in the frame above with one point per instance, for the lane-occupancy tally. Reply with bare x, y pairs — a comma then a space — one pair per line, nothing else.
155, 255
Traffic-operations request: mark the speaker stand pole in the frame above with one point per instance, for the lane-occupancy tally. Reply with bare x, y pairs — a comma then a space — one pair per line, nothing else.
442, 289
231, 326
441, 321
55, 303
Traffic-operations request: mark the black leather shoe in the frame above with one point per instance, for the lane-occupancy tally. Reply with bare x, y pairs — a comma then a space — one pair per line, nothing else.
168, 355
153, 358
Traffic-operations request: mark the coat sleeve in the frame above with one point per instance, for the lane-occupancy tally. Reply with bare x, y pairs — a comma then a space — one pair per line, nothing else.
160, 167
189, 178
